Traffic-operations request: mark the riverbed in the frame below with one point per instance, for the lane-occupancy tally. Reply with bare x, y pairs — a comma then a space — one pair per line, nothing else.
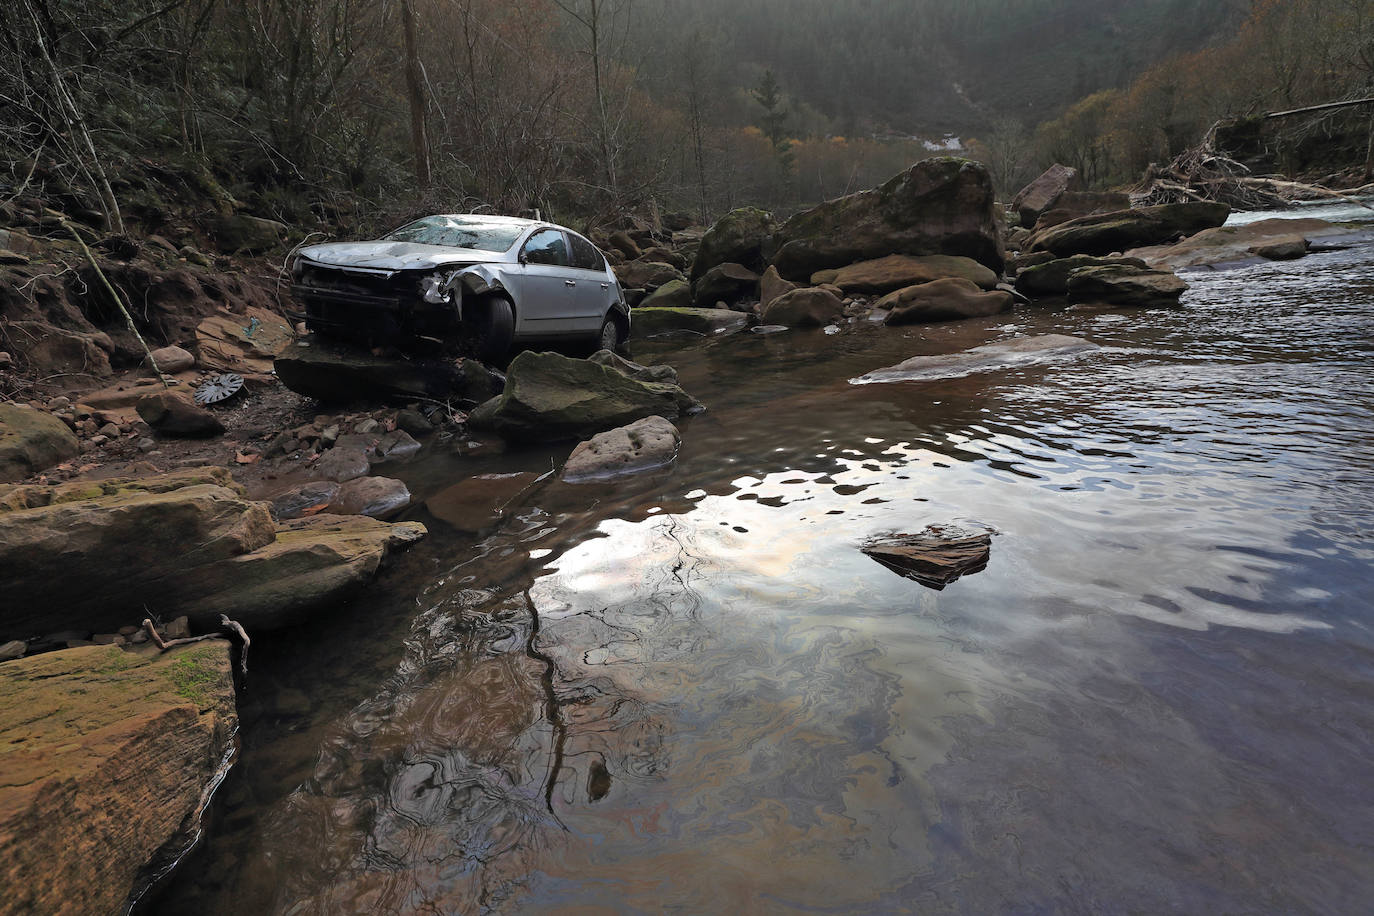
692, 692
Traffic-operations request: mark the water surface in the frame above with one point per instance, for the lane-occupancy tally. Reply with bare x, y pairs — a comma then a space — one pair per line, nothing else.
690, 692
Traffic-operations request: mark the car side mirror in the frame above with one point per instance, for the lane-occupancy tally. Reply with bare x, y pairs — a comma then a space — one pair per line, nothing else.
524, 256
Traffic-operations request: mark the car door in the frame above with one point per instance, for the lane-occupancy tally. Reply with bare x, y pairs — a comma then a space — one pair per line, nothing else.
548, 287
593, 285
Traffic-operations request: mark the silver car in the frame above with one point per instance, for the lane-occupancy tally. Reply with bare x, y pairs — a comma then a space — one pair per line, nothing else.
476, 284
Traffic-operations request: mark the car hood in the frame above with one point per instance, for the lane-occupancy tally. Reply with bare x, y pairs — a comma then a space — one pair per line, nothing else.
397, 255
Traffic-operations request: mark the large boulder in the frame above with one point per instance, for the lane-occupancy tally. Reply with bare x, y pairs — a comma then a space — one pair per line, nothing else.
1120, 230
648, 275
938, 206
1041, 194
173, 414
802, 308
952, 299
743, 236
1052, 277
32, 441
96, 555
675, 294
1123, 284
1073, 204
549, 397
729, 283
898, 271
643, 445
107, 757
339, 374
651, 322
634, 370
245, 343
1006, 354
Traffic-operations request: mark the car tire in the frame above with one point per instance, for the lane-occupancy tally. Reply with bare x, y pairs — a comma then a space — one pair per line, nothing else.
488, 328
612, 333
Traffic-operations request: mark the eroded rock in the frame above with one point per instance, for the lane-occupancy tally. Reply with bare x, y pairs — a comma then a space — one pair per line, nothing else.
106, 758
644, 445
801, 308
173, 414
1041, 194
743, 236
1120, 230
1126, 285
1052, 277
1007, 354
375, 497
898, 271
935, 557
32, 441
943, 300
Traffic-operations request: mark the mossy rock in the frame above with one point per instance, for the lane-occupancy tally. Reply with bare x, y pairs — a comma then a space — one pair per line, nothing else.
32, 441
743, 236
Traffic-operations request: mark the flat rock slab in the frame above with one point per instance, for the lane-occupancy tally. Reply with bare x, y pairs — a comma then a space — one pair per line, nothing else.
1119, 230
897, 271
1125, 285
1008, 354
339, 374
653, 322
936, 557
105, 755
1226, 244
644, 445
951, 299
243, 343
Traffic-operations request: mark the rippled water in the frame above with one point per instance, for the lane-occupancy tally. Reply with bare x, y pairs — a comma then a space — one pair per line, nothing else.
692, 693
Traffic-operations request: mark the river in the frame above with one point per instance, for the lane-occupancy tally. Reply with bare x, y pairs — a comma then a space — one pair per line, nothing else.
691, 692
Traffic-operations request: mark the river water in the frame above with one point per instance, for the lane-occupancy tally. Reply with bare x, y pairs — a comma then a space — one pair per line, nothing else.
691, 692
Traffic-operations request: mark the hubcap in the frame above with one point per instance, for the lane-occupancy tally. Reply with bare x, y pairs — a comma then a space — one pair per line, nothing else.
610, 335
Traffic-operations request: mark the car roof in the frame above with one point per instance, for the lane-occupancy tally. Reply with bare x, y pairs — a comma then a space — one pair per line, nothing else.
512, 220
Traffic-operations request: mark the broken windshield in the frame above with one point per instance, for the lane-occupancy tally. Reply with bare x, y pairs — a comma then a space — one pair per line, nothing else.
459, 232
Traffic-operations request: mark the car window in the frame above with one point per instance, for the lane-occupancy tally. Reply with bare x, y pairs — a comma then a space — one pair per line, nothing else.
584, 254
547, 247
459, 232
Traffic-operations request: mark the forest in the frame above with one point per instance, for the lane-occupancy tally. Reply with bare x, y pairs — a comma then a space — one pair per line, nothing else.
358, 113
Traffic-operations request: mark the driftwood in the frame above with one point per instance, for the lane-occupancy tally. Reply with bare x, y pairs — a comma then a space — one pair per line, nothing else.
232, 626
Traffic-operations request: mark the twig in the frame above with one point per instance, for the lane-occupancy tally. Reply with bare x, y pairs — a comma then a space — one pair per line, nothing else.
109, 287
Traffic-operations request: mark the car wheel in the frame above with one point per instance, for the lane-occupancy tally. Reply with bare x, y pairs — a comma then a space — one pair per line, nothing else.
488, 328
611, 336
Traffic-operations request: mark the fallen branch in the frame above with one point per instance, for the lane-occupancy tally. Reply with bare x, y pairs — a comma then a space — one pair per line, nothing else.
233, 626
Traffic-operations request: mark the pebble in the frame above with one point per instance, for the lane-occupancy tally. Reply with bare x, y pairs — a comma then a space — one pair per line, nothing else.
146, 445
59, 403
367, 426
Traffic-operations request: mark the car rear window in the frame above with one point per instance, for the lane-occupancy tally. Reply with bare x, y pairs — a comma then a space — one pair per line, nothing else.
584, 254
459, 232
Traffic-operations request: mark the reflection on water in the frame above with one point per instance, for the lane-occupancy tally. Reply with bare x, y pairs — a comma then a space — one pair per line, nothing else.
693, 692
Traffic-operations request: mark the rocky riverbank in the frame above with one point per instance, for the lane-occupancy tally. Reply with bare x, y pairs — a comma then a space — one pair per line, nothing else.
123, 499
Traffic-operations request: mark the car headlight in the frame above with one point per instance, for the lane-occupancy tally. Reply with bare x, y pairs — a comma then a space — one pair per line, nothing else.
297, 269
431, 289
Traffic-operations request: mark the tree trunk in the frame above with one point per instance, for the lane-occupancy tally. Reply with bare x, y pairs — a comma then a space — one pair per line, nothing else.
415, 90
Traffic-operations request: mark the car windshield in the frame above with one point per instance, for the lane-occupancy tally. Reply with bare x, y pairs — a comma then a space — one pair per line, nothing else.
459, 232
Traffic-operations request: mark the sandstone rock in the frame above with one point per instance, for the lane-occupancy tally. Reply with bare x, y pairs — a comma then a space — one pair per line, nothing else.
1041, 194
943, 300
172, 360
665, 256
673, 294
1286, 250
634, 370
15, 648
1122, 229
935, 557
478, 503
314, 564
1073, 204
243, 343
1007, 354
938, 206
898, 271
304, 499
650, 322
771, 286
801, 308
32, 441
412, 421
127, 394
394, 446
337, 375
1237, 243
341, 463
743, 236
376, 497
620, 240
729, 282
641, 446
173, 414
105, 756
550, 397
241, 232
646, 275
1052, 277
47, 347
99, 560
1125, 285
12, 258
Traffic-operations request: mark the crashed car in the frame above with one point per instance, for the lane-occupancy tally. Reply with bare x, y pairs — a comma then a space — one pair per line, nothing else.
469, 283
